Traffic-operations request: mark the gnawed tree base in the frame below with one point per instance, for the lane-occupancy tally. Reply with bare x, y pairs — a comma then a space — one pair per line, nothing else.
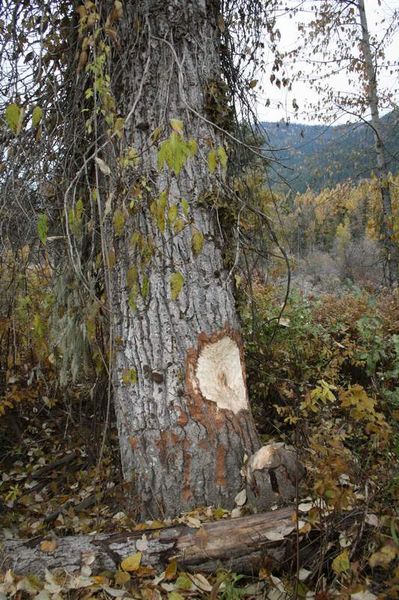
242, 545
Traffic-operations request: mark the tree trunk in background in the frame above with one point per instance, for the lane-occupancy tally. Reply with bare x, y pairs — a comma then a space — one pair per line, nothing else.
180, 394
391, 248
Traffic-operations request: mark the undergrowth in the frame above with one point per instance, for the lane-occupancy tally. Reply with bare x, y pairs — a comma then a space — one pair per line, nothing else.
322, 376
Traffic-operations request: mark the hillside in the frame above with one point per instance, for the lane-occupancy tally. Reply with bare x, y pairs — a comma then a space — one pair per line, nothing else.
318, 156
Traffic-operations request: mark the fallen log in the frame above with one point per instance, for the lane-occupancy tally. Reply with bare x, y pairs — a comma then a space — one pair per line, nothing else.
242, 545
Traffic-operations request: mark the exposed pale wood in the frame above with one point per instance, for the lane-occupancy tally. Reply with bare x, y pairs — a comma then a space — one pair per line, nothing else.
240, 544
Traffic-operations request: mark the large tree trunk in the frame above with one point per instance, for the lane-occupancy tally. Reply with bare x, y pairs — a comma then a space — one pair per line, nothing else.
180, 394
391, 248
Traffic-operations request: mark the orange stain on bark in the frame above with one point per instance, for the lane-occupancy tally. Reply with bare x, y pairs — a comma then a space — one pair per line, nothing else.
183, 418
133, 443
186, 492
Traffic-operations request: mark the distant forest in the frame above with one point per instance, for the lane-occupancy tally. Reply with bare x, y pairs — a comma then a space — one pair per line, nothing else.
320, 156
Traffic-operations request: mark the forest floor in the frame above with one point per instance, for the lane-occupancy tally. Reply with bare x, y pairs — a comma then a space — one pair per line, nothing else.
323, 377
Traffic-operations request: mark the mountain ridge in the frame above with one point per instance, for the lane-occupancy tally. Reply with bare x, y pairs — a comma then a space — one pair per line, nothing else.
320, 156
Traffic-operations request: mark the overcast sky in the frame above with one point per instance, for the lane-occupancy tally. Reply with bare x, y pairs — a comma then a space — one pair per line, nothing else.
281, 100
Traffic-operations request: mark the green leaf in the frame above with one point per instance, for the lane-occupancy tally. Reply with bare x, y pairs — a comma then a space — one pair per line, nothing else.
172, 214
222, 156
179, 225
183, 582
132, 276
192, 147
119, 127
157, 209
145, 287
129, 377
212, 161
341, 563
38, 326
197, 242
129, 158
175, 151
75, 218
186, 208
175, 596
133, 299
37, 115
14, 116
79, 209
163, 200
118, 222
42, 228
135, 239
176, 284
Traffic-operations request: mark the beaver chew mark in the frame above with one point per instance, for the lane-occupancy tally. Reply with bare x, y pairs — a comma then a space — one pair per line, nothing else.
219, 375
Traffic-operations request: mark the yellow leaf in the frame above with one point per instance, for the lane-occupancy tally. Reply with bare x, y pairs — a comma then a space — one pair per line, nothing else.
100, 579
341, 563
118, 9
176, 284
131, 563
145, 572
14, 117
222, 156
171, 570
36, 116
175, 596
48, 546
212, 161
119, 126
156, 134
177, 126
179, 225
197, 242
121, 577
383, 557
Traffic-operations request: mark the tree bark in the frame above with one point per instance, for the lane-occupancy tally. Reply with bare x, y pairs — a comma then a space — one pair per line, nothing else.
242, 545
180, 395
391, 248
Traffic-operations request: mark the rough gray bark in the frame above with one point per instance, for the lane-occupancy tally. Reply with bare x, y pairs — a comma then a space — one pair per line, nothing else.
239, 544
391, 249
180, 396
